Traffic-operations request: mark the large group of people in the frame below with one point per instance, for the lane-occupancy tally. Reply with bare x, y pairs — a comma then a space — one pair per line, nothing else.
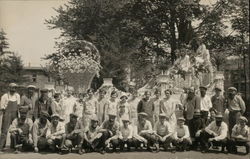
105, 123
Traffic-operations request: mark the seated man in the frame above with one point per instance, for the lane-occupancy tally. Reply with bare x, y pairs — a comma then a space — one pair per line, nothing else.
182, 138
163, 131
197, 125
126, 134
145, 132
92, 137
215, 133
55, 133
39, 130
240, 136
110, 130
73, 134
20, 132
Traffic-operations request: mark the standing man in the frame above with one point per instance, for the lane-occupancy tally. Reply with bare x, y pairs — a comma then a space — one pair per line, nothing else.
156, 106
68, 105
235, 104
133, 103
43, 104
39, 131
218, 100
89, 107
215, 132
9, 105
20, 132
102, 105
191, 104
206, 104
28, 101
145, 106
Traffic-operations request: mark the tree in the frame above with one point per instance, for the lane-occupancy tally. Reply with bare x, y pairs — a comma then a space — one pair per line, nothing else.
11, 66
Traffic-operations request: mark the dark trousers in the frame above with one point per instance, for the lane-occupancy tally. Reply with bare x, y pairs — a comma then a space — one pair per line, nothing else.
166, 143
204, 116
8, 117
151, 138
72, 140
232, 145
130, 142
17, 139
186, 142
232, 120
205, 143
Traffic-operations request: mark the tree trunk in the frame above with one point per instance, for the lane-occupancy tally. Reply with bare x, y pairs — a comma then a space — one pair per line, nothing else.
173, 41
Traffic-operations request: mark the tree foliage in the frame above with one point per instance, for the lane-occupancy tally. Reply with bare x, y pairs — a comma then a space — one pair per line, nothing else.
11, 66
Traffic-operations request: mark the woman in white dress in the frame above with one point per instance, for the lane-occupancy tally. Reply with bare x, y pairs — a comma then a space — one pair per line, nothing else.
168, 106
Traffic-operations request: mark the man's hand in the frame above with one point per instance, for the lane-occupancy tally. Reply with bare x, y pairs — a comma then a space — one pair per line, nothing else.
20, 131
107, 142
211, 139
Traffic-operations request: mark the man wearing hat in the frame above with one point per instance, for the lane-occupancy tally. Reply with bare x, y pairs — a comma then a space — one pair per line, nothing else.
218, 100
28, 100
240, 136
20, 132
235, 104
163, 131
73, 134
206, 103
216, 133
145, 131
191, 104
55, 133
197, 125
126, 134
145, 106
8, 112
182, 139
43, 104
93, 140
39, 131
110, 132
56, 105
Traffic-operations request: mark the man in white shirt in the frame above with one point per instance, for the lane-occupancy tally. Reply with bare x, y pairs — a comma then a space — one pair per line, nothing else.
206, 103
164, 131
68, 104
9, 105
215, 133
181, 136
55, 132
126, 134
240, 136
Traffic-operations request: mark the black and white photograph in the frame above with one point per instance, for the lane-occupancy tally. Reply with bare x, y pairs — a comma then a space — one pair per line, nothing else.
124, 79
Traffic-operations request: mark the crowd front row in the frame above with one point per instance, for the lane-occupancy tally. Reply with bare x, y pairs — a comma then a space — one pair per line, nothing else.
114, 136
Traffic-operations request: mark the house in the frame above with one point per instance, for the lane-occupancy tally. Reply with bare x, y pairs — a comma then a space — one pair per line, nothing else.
39, 77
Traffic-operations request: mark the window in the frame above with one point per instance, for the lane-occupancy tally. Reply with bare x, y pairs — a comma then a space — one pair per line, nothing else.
34, 76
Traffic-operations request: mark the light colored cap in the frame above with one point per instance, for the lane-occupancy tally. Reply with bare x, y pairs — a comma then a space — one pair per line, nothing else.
162, 115
31, 86
143, 114
243, 119
12, 85
125, 118
94, 118
232, 89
